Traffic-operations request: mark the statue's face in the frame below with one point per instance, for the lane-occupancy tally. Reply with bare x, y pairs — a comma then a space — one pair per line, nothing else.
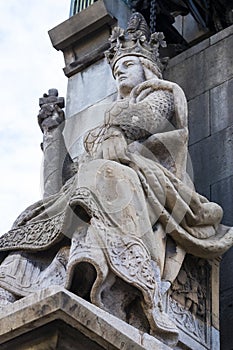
128, 72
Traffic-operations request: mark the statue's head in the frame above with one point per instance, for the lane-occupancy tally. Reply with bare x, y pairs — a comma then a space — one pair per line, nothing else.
134, 54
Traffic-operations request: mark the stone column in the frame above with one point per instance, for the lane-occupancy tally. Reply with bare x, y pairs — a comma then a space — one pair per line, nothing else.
83, 39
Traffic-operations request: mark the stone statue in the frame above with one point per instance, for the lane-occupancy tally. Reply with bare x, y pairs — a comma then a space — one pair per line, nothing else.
117, 231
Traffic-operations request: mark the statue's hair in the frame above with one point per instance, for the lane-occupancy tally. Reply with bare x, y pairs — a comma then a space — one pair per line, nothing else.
150, 69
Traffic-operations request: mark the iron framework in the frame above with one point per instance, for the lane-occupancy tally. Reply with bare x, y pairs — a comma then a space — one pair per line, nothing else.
79, 5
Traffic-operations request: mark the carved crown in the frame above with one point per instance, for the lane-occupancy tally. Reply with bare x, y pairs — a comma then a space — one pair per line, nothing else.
135, 40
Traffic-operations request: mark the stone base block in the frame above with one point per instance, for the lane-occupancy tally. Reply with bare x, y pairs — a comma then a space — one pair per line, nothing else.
57, 319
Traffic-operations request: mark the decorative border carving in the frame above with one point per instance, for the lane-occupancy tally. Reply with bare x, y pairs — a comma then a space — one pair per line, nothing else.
192, 314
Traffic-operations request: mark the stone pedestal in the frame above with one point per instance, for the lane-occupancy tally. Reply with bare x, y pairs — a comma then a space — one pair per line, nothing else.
57, 319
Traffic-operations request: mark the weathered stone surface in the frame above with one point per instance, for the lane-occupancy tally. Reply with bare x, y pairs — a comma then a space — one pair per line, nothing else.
186, 74
204, 70
80, 25
83, 37
221, 192
78, 124
221, 106
218, 63
221, 35
199, 119
188, 303
96, 328
200, 47
55, 335
215, 339
57, 319
86, 52
215, 283
226, 270
187, 54
86, 87
226, 319
188, 343
51, 119
191, 30
212, 158
87, 22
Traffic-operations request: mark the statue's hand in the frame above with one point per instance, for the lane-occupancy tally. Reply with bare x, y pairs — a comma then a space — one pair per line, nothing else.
50, 117
114, 147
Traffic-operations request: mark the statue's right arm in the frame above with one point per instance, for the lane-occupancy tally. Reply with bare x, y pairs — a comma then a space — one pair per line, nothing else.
57, 167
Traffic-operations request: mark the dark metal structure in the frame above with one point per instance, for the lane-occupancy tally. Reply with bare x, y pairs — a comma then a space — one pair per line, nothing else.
79, 5
211, 16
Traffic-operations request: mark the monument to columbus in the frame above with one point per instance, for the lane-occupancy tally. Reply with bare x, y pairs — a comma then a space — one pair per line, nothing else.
125, 247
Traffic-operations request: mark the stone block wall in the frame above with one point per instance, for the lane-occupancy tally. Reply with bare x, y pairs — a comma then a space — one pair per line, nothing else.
205, 72
83, 38
88, 94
